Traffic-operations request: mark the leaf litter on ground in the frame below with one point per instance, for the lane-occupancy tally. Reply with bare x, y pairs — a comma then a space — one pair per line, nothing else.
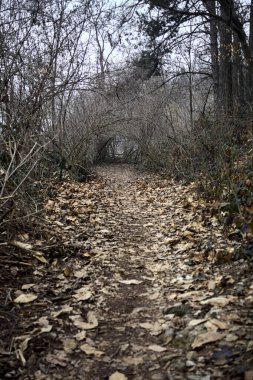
142, 280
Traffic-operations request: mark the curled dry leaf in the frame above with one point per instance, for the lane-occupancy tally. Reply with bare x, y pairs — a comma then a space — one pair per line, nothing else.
26, 298
65, 310
130, 282
79, 322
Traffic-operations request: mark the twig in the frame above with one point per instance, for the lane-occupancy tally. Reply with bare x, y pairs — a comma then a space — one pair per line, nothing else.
15, 262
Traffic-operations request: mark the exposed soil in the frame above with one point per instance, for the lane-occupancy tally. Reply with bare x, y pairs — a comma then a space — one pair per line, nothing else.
141, 283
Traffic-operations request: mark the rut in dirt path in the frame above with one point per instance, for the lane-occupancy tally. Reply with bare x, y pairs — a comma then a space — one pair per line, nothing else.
142, 284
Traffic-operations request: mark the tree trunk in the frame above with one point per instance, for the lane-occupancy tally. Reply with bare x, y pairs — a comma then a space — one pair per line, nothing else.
238, 77
226, 85
211, 8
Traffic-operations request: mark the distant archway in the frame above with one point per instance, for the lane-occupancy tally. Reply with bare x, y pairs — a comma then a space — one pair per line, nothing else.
119, 149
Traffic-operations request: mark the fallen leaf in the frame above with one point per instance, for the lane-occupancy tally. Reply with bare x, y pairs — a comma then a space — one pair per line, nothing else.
26, 298
89, 350
80, 336
21, 344
81, 324
132, 361
117, 376
65, 310
130, 282
21, 245
211, 285
44, 325
27, 286
69, 345
82, 273
39, 256
216, 323
205, 338
156, 348
57, 358
154, 328
218, 301
154, 296
196, 322
231, 338
68, 272
248, 375
83, 294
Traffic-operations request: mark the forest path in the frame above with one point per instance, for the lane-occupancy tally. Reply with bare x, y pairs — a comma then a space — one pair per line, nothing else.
142, 285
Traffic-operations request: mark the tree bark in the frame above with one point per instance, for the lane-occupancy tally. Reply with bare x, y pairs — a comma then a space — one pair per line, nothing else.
226, 79
211, 8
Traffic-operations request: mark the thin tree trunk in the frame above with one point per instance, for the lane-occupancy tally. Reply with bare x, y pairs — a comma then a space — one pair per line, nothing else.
211, 8
226, 80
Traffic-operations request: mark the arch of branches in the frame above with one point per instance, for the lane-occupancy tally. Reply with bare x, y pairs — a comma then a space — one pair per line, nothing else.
119, 149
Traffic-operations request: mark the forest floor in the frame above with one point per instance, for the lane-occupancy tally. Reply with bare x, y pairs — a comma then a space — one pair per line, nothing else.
136, 279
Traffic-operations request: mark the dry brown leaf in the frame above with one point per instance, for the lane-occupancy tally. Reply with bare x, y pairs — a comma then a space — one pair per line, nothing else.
68, 272
82, 273
117, 376
27, 286
132, 361
154, 296
196, 322
65, 310
57, 358
21, 344
89, 350
83, 294
80, 336
130, 282
218, 323
26, 298
231, 338
21, 245
81, 324
205, 338
211, 285
156, 348
250, 299
44, 325
248, 375
39, 256
69, 345
219, 301
154, 328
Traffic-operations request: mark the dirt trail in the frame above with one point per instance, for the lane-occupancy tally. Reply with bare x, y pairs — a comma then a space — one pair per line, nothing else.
145, 287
